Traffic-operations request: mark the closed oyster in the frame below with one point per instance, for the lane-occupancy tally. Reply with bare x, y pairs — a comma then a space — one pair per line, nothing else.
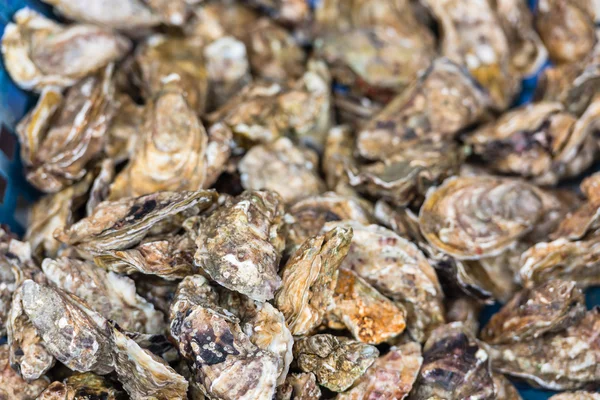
14, 387
398, 269
111, 295
52, 212
504, 389
337, 362
531, 313
81, 387
240, 244
302, 386
541, 142
126, 15
61, 135
263, 111
370, 316
178, 62
566, 28
474, 217
472, 36
310, 278
444, 100
405, 177
171, 155
455, 366
564, 360
227, 69
280, 166
221, 356
40, 53
122, 224
562, 259
391, 377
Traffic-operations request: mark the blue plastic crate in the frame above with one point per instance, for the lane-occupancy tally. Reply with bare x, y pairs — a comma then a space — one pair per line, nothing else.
16, 193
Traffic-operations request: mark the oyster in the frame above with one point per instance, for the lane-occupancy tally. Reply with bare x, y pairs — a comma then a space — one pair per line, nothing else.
455, 366
111, 295
286, 11
441, 102
540, 141
61, 135
12, 386
171, 155
81, 387
176, 62
370, 316
125, 130
302, 386
580, 395
338, 154
567, 28
306, 217
126, 15
397, 268
122, 224
474, 217
240, 244
465, 310
227, 69
40, 53
309, 280
289, 170
391, 377
221, 356
531, 313
472, 36
337, 362
504, 389
564, 360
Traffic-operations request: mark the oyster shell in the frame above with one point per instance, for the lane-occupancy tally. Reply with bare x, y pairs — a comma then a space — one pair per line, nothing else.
125, 130
111, 295
455, 366
337, 362
504, 389
370, 316
391, 377
465, 310
280, 166
579, 395
286, 11
566, 28
564, 360
40, 53
480, 216
441, 102
12, 386
61, 135
531, 313
80, 387
338, 153
398, 269
122, 224
309, 280
472, 36
171, 155
221, 356
240, 244
302, 386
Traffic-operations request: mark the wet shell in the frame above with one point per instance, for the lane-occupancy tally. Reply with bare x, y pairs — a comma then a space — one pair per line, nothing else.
80, 387
302, 386
14, 387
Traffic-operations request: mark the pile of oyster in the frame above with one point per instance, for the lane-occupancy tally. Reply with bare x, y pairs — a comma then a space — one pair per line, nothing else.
278, 200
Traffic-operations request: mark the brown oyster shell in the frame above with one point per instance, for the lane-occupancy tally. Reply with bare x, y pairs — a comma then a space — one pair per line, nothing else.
455, 366
61, 135
337, 362
125, 130
391, 377
281, 166
122, 224
564, 360
309, 280
531, 313
566, 28
585, 219
240, 244
13, 386
302, 386
398, 269
444, 100
465, 310
40, 53
504, 389
474, 217
370, 316
579, 395
80, 387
